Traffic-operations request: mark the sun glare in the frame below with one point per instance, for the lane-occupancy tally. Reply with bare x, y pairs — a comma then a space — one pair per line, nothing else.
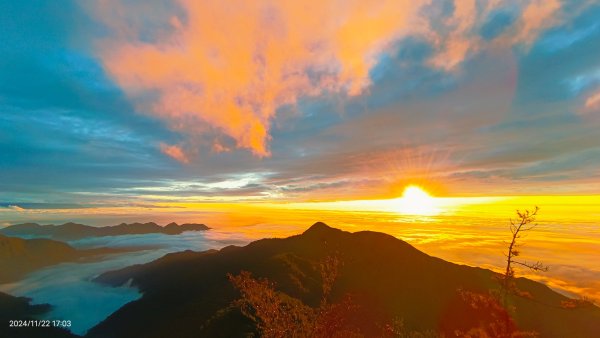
416, 201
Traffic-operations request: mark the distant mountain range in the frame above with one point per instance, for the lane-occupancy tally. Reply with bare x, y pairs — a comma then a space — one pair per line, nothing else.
73, 231
188, 294
20, 256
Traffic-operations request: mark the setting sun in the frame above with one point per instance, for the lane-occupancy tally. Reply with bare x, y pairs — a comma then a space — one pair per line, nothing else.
416, 201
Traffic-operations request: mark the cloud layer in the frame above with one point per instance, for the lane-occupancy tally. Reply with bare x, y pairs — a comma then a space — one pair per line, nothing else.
122, 103
217, 73
229, 67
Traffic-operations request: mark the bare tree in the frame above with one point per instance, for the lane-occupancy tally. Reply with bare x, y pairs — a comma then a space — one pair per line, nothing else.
523, 223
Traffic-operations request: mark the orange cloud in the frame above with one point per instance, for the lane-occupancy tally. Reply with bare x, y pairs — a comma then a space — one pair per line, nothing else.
537, 16
461, 40
227, 67
217, 147
230, 67
174, 152
592, 103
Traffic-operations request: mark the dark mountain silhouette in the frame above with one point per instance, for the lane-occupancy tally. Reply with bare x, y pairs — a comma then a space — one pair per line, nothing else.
188, 294
20, 256
12, 308
73, 231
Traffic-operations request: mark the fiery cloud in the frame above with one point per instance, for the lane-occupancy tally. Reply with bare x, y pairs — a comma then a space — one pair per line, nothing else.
461, 40
218, 68
174, 152
592, 103
537, 16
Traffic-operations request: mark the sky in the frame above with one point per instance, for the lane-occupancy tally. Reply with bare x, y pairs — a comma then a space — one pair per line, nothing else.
130, 103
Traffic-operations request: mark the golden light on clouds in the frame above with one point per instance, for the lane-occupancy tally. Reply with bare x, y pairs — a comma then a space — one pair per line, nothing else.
217, 72
226, 70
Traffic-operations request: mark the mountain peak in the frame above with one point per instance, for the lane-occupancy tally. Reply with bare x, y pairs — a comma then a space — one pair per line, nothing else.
72, 231
320, 228
392, 279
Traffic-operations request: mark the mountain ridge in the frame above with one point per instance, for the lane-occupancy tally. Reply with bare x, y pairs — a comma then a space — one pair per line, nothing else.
19, 256
73, 231
387, 276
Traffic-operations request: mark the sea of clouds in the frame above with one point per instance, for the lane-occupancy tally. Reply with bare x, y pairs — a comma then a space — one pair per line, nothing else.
69, 288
